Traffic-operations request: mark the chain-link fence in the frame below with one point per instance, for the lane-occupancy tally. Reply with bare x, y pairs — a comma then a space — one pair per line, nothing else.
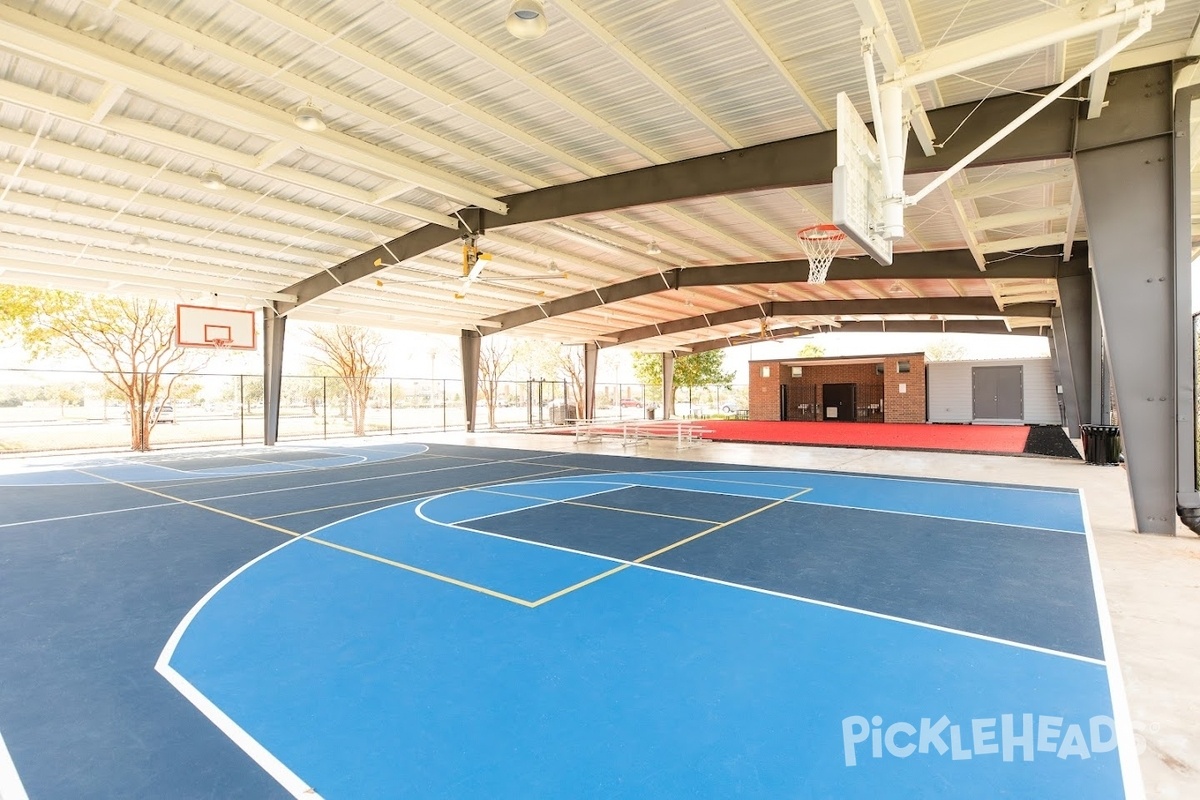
45, 410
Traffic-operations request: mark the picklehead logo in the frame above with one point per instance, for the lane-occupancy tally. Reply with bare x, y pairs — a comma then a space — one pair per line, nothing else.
1009, 737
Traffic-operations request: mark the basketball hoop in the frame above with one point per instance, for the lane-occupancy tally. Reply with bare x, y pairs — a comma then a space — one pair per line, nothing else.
221, 344
820, 243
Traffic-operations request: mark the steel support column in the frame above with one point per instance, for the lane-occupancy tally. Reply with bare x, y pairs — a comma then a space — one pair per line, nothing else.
1060, 389
668, 385
1126, 166
470, 365
1066, 372
1075, 293
273, 330
1100, 401
590, 352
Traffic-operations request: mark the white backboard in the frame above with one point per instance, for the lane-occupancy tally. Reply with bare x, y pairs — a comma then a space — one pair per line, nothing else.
858, 183
213, 328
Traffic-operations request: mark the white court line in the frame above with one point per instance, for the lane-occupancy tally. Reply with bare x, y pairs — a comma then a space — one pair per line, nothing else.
1131, 770
212, 480
10, 782
364, 480
1017, 525
238, 735
397, 499
684, 475
289, 780
297, 787
200, 475
699, 475
82, 516
542, 501
417, 509
879, 615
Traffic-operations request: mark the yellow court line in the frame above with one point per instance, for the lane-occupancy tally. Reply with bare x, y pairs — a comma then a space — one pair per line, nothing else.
209, 480
668, 548
193, 504
580, 585
411, 495
425, 573
343, 548
719, 526
635, 511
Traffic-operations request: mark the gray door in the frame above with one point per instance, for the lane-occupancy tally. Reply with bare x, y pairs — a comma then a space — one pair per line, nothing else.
998, 393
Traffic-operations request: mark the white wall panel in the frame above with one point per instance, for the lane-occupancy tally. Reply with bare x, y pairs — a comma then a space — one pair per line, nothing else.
949, 389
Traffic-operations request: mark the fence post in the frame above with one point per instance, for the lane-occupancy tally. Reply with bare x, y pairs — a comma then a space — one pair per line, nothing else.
242, 408
324, 407
444, 406
391, 431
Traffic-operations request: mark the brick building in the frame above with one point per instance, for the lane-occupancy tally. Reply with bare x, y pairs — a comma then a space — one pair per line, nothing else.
886, 388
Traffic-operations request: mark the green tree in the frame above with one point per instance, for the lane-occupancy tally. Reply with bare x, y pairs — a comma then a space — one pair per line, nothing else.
354, 354
811, 350
648, 368
695, 369
692, 370
130, 342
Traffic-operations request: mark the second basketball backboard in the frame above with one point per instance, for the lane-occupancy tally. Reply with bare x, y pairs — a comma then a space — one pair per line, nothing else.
858, 183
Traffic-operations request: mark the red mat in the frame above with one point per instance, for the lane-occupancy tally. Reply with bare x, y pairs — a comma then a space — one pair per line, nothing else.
971, 438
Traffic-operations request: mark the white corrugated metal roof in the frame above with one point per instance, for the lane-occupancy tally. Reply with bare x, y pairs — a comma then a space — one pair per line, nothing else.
110, 114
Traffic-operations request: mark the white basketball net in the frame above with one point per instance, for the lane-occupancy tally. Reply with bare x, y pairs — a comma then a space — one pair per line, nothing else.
820, 244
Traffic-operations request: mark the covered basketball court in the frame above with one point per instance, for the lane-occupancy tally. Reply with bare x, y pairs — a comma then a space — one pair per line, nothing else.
634, 176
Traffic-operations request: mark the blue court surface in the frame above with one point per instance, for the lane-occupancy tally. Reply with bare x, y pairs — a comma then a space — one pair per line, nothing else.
410, 621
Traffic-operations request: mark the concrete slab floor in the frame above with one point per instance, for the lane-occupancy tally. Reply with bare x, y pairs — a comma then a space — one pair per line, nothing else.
1152, 583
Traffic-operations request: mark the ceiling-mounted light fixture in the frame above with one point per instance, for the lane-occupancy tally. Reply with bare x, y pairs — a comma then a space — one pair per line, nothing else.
309, 118
211, 179
590, 241
554, 269
653, 249
526, 19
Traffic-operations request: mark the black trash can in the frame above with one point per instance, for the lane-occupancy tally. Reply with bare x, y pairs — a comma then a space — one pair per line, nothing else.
1101, 444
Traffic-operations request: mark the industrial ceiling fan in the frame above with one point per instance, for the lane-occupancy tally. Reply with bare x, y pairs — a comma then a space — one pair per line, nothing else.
474, 262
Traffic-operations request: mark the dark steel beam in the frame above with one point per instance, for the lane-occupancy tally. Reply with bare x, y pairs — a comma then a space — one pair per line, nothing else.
799, 161
945, 264
896, 326
943, 306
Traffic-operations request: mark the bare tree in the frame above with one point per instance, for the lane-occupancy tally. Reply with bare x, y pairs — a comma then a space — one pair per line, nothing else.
570, 362
130, 342
496, 355
356, 355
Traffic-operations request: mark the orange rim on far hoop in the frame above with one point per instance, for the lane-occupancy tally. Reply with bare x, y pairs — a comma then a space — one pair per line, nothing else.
221, 344
821, 243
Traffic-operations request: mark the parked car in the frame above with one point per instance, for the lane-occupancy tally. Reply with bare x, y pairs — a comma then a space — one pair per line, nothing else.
160, 413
